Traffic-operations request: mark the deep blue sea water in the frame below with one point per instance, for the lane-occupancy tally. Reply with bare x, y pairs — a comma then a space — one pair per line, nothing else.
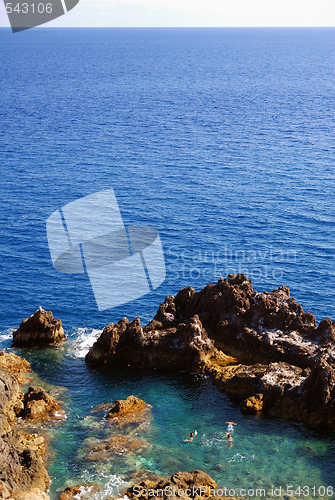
222, 140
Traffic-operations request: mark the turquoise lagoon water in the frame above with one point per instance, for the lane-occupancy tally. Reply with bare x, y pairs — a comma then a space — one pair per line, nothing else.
222, 140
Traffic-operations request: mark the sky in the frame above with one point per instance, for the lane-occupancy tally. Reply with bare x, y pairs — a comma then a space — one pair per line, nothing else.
220, 13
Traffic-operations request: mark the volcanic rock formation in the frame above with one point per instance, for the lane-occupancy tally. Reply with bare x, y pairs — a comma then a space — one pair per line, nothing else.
260, 347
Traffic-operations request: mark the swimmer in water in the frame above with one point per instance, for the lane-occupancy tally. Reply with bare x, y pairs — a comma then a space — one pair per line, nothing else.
230, 440
230, 426
191, 436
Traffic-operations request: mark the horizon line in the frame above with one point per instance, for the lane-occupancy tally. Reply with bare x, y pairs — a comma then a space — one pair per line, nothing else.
174, 27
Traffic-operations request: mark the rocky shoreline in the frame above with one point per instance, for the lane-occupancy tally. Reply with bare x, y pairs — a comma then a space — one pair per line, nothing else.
262, 349
23, 474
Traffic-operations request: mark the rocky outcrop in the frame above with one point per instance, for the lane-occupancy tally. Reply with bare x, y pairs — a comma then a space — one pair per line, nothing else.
261, 348
39, 329
127, 343
129, 414
185, 485
39, 405
21, 462
122, 408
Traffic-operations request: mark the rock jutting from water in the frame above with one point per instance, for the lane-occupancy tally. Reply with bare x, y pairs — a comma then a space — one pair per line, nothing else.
40, 329
262, 349
131, 414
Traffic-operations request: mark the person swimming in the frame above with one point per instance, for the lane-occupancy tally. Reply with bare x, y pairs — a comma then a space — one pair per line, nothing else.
230, 426
230, 440
191, 436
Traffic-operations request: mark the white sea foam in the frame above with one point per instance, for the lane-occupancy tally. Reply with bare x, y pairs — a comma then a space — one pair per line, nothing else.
110, 485
6, 335
238, 457
111, 488
114, 482
82, 341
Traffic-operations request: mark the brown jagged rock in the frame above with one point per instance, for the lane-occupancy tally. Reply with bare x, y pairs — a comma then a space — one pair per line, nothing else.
79, 492
41, 328
124, 407
39, 405
34, 442
130, 413
129, 344
326, 331
185, 485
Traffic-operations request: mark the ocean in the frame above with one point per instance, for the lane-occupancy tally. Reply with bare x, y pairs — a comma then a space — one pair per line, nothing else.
220, 139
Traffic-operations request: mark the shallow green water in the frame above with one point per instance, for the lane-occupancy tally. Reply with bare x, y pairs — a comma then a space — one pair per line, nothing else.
265, 454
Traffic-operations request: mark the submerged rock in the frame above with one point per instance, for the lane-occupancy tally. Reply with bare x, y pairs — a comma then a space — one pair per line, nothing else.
41, 328
248, 342
113, 447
